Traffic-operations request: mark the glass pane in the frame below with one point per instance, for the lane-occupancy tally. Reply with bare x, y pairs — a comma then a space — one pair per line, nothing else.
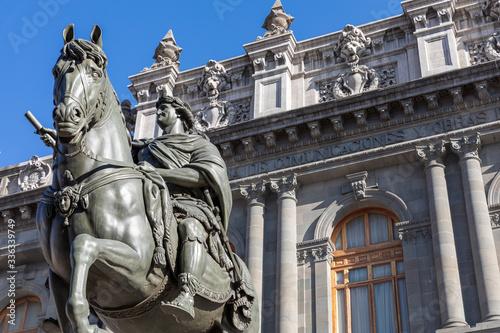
339, 278
32, 315
395, 230
403, 306
381, 271
19, 317
359, 274
400, 267
378, 228
355, 232
360, 310
338, 242
340, 311
384, 307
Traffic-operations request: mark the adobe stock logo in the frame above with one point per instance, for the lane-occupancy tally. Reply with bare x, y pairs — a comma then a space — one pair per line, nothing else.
30, 26
223, 6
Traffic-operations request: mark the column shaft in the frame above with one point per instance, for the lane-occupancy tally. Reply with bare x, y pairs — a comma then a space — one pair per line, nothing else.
443, 241
482, 241
255, 246
287, 276
481, 235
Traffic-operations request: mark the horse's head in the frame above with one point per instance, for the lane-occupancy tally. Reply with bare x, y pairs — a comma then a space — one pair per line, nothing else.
80, 86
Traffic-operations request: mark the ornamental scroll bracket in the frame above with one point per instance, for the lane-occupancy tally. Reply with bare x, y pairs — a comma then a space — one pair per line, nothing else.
358, 184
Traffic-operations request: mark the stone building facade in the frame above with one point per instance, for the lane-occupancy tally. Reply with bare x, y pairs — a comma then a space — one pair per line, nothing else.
364, 167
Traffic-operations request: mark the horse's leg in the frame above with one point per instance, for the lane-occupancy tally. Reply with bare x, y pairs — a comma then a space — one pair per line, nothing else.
60, 293
85, 251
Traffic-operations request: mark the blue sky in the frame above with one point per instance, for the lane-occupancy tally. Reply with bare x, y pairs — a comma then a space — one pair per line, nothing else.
31, 37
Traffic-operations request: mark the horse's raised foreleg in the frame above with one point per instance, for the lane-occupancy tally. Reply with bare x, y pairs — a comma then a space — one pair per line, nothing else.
86, 251
60, 293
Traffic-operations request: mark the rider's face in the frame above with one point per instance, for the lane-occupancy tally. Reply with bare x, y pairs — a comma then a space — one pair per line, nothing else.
166, 115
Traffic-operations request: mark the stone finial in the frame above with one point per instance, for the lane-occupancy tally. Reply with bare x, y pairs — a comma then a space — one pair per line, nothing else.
358, 184
167, 52
467, 146
491, 9
432, 154
277, 22
130, 114
352, 45
36, 174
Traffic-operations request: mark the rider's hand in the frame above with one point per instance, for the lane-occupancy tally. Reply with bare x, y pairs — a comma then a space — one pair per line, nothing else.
48, 136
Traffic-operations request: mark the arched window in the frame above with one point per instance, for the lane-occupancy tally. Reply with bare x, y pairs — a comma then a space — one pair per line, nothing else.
26, 316
369, 294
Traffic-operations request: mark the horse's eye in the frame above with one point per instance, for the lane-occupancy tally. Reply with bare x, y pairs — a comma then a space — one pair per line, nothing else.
96, 74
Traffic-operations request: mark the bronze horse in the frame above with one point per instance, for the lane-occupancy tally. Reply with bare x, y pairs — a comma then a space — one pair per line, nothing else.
92, 221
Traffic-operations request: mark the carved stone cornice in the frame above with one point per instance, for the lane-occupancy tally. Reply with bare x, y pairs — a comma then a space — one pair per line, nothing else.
432, 154
314, 128
320, 250
255, 193
432, 102
285, 186
338, 123
383, 111
495, 220
408, 230
456, 94
408, 107
25, 212
270, 138
227, 149
466, 147
360, 118
292, 135
7, 215
482, 90
248, 145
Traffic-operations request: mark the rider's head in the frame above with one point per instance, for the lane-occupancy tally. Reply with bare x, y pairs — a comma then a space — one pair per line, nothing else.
182, 109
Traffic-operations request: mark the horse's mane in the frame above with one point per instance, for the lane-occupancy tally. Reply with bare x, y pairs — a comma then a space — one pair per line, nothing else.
81, 49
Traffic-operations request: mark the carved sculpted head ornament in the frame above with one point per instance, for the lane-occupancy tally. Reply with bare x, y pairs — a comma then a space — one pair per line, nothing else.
491, 9
277, 22
353, 44
167, 52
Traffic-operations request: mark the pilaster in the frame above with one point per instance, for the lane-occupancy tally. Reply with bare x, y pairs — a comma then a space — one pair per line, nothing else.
273, 62
435, 33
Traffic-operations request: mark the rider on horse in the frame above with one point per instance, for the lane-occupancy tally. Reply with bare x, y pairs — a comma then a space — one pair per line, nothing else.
196, 177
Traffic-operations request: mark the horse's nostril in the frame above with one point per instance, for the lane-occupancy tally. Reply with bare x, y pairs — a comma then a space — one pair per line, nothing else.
78, 114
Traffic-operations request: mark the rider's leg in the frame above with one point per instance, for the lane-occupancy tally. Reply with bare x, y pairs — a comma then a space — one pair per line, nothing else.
192, 264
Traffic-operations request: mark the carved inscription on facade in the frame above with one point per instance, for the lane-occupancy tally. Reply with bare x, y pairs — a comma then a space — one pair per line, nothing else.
367, 143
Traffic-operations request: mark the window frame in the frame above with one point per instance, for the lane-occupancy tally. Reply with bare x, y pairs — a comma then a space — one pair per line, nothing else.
24, 301
370, 255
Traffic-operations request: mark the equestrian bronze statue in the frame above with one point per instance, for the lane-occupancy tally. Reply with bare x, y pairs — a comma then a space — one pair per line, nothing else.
135, 231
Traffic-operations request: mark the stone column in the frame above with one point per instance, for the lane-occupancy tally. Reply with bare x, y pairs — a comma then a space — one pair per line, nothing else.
323, 286
255, 195
443, 240
287, 307
482, 242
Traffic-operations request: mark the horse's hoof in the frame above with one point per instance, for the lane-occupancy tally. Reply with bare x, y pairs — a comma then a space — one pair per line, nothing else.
180, 313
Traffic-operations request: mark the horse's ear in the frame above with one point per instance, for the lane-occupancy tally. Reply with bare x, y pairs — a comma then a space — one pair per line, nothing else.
96, 35
69, 33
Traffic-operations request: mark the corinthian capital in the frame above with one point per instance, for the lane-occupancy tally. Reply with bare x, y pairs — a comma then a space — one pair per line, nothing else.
254, 193
432, 154
466, 147
286, 186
